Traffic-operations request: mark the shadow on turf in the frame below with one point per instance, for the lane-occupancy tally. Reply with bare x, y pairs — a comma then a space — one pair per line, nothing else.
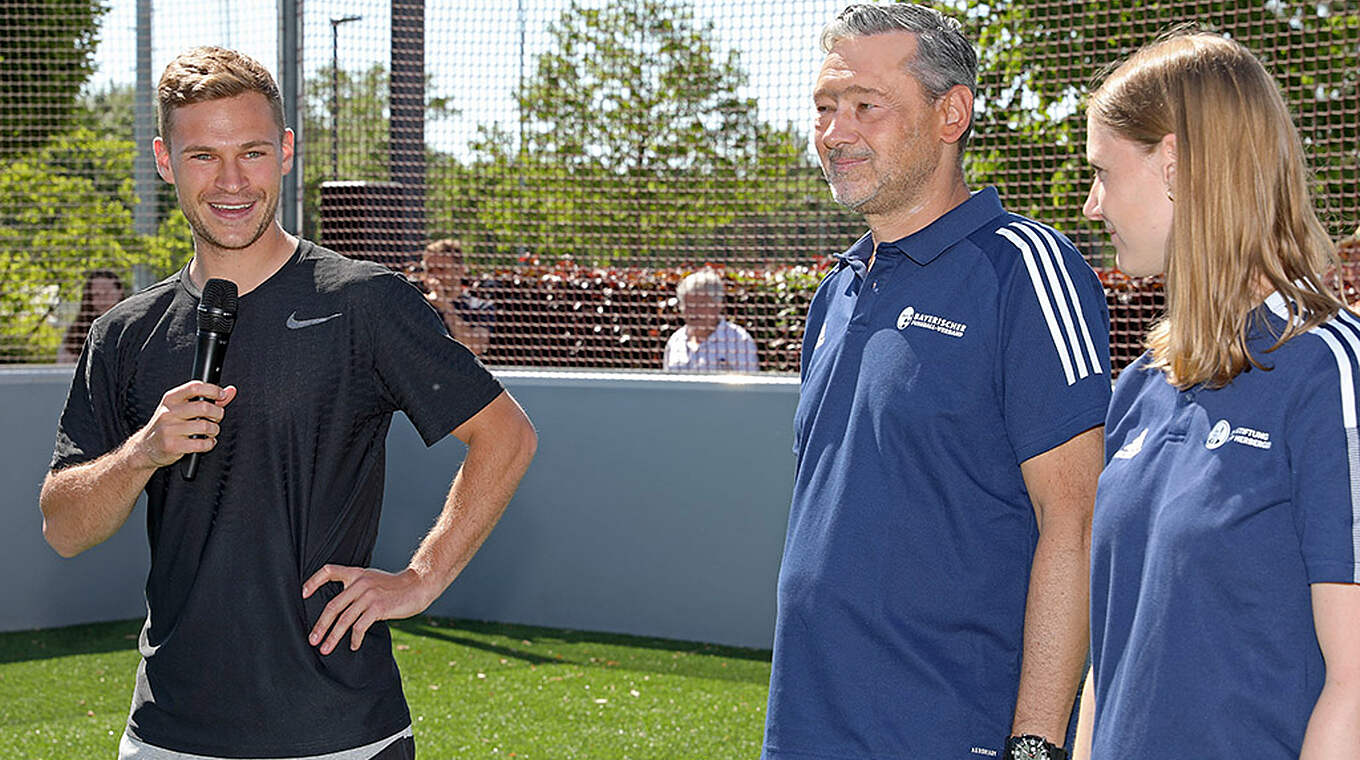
449, 630
46, 643
102, 638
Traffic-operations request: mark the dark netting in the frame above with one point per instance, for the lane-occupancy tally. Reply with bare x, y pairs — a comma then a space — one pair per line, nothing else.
575, 162
581, 159
1038, 58
63, 204
84, 220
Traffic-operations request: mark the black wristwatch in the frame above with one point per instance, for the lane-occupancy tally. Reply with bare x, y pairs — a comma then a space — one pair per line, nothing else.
1029, 747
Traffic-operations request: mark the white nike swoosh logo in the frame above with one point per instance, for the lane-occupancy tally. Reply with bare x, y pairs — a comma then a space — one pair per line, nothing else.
297, 324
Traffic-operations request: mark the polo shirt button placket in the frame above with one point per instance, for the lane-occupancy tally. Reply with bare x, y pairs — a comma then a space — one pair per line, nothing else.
864, 302
868, 295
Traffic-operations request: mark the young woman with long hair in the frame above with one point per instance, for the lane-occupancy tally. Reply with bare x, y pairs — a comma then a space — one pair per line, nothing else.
103, 288
1226, 534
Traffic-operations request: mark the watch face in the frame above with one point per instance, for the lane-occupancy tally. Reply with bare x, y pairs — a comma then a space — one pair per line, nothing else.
1029, 748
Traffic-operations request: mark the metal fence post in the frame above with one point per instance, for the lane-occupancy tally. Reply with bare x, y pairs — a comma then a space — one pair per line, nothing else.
290, 85
145, 181
406, 138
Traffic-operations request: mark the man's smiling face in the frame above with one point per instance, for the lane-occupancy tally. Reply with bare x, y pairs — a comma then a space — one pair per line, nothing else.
226, 159
875, 129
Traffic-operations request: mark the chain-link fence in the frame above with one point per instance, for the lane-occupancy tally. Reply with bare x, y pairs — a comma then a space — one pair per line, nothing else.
582, 157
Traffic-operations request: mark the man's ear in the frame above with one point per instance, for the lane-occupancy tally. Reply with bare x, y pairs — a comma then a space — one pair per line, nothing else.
286, 150
956, 110
162, 152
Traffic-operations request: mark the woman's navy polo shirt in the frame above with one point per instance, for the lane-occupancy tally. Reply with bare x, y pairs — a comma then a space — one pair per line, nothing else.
971, 346
1217, 509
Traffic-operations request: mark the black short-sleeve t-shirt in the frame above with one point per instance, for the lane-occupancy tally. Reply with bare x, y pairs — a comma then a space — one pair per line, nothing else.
322, 354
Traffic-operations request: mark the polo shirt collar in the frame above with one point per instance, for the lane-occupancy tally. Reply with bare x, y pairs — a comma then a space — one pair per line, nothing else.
924, 246
857, 256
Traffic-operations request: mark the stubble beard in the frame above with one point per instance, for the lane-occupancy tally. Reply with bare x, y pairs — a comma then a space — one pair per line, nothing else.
204, 233
897, 188
840, 193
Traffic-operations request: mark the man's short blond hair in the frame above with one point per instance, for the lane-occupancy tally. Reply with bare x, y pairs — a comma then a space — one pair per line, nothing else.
449, 247
212, 73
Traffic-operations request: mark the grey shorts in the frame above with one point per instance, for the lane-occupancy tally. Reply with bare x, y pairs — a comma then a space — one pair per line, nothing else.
399, 746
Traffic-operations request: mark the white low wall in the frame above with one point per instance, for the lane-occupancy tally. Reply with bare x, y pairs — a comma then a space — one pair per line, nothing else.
656, 506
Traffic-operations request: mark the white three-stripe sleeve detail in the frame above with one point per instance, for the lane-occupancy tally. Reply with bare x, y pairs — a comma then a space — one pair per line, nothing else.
1350, 327
1343, 365
1343, 368
1045, 254
1077, 308
1036, 279
1346, 326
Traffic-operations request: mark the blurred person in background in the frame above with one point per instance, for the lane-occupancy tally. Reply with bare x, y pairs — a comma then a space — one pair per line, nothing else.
102, 290
955, 376
265, 632
707, 342
469, 319
1349, 253
1226, 536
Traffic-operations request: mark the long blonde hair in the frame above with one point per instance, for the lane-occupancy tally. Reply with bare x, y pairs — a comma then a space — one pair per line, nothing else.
1243, 210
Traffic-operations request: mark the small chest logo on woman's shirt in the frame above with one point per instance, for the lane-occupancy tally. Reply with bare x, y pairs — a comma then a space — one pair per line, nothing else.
1223, 432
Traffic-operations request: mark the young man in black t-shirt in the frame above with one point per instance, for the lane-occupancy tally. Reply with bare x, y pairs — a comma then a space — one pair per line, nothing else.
263, 635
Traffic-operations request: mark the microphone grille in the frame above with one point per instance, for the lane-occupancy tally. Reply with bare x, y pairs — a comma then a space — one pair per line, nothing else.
217, 308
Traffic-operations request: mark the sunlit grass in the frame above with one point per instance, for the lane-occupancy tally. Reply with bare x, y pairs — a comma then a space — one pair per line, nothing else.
476, 690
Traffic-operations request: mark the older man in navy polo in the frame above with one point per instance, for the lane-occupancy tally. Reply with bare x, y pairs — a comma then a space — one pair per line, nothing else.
933, 594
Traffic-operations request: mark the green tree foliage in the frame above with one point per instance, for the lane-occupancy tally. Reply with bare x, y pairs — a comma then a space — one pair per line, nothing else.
635, 141
64, 210
1037, 61
46, 55
363, 132
111, 113
66, 207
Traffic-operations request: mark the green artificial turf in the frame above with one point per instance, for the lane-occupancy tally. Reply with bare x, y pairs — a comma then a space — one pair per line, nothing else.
476, 690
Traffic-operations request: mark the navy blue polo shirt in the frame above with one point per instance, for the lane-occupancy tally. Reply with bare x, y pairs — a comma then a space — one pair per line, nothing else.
1216, 510
971, 346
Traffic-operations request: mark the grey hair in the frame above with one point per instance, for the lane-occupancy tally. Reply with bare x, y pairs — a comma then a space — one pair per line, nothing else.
944, 57
705, 282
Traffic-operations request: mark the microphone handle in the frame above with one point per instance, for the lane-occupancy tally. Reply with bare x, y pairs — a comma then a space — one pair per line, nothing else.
212, 346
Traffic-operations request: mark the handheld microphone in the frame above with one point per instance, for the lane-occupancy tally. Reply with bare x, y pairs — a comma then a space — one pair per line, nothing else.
216, 318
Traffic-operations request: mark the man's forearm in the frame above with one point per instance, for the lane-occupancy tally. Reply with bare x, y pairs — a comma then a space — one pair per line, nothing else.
86, 504
1056, 635
501, 442
481, 490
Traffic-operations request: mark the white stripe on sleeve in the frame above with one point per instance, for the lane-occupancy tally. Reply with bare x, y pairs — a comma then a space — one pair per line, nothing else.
1077, 308
1037, 280
1045, 256
1348, 419
1348, 328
